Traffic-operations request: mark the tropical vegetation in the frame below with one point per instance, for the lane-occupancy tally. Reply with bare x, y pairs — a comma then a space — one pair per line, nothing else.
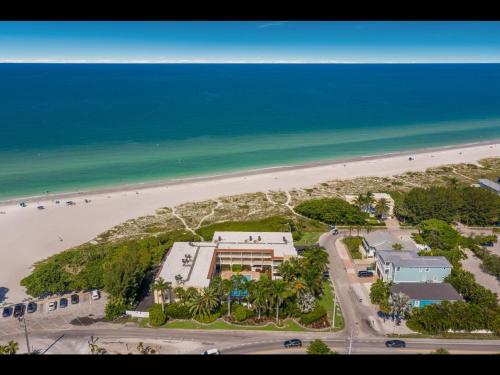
121, 269
319, 347
11, 347
333, 211
468, 205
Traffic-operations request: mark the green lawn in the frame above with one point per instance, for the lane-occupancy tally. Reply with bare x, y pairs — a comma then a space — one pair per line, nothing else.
327, 302
288, 325
271, 224
308, 238
352, 244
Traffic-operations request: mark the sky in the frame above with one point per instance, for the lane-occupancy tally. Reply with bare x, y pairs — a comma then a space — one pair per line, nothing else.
250, 42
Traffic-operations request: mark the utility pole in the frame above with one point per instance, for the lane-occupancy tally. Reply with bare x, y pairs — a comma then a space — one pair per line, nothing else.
350, 342
334, 309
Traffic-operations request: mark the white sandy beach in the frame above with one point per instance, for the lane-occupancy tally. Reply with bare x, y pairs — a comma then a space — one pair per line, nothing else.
28, 235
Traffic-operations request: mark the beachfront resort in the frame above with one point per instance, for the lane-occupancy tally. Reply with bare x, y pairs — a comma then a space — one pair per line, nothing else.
194, 264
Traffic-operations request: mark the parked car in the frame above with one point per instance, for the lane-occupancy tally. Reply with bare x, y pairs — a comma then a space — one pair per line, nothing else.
365, 273
326, 275
52, 305
395, 344
19, 310
32, 306
488, 244
7, 311
294, 343
96, 295
63, 302
211, 352
75, 299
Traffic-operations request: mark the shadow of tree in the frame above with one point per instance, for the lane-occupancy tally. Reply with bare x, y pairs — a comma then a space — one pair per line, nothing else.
3, 293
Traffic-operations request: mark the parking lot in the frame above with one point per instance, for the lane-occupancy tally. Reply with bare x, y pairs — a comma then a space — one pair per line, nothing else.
85, 312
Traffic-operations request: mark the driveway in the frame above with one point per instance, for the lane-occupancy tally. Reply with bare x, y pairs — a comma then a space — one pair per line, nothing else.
357, 316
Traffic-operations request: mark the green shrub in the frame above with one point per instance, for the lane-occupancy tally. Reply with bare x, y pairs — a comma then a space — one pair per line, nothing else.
115, 309
207, 318
177, 311
318, 347
236, 268
315, 315
240, 313
157, 317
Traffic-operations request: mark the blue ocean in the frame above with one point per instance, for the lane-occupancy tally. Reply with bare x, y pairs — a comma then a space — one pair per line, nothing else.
73, 127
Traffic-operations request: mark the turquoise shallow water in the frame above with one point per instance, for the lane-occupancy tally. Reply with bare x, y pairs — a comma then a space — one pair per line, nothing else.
81, 126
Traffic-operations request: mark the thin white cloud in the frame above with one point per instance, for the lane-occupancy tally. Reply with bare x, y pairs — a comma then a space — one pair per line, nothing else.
271, 24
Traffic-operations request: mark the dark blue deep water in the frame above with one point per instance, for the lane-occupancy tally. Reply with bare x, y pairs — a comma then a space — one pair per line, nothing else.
66, 127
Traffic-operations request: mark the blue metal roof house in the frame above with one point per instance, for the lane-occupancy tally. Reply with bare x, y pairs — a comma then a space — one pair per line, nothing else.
409, 267
423, 294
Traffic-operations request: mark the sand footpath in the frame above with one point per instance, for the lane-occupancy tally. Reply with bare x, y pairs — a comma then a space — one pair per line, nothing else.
28, 235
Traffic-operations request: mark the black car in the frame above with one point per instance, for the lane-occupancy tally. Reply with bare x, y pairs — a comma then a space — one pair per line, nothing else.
395, 344
365, 273
19, 310
7, 311
294, 343
75, 299
326, 275
63, 302
32, 306
489, 244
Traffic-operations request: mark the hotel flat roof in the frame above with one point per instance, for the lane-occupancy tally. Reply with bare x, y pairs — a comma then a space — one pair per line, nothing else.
196, 272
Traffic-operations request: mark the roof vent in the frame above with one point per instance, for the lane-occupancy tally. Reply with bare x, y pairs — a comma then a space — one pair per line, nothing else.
250, 238
284, 239
260, 239
220, 238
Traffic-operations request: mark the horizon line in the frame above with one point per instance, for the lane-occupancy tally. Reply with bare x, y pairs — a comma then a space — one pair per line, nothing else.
145, 62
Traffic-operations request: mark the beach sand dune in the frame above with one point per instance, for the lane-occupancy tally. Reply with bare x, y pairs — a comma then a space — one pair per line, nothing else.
28, 235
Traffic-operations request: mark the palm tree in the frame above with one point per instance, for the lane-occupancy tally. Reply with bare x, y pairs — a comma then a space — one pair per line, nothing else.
401, 306
397, 246
382, 207
160, 286
11, 348
359, 201
369, 199
258, 295
289, 269
204, 303
94, 348
316, 257
226, 287
279, 291
238, 283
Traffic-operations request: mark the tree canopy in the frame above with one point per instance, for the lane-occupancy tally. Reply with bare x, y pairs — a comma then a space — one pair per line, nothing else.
332, 211
469, 205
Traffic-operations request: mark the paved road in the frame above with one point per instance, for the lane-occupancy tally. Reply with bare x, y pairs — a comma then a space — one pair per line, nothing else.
355, 315
252, 342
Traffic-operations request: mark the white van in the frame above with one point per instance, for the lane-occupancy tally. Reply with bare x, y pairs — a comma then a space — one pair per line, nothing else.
52, 306
96, 295
211, 352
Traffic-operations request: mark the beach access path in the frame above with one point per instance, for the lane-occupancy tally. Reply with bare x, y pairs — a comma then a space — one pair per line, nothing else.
28, 235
